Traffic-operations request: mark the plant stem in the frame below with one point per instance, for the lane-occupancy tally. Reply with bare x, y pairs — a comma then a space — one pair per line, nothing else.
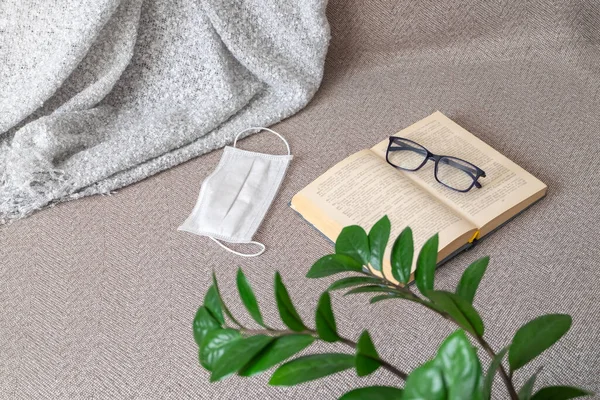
505, 377
482, 342
274, 332
400, 374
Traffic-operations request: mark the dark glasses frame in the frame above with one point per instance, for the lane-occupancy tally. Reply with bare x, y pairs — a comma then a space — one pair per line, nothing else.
479, 173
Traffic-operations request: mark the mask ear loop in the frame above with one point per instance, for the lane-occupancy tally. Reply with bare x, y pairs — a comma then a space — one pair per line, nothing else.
262, 250
259, 128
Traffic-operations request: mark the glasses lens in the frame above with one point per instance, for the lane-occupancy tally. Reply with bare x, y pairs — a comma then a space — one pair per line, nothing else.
406, 154
456, 173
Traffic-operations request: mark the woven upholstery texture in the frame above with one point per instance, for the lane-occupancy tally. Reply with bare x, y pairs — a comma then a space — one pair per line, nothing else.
98, 295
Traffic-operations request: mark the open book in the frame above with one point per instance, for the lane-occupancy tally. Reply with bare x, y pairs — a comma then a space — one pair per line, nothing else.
362, 188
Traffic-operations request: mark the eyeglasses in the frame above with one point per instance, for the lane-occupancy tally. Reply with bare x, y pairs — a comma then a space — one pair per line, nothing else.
452, 172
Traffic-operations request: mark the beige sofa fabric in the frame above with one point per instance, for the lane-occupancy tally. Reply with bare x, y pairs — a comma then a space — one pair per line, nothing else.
98, 294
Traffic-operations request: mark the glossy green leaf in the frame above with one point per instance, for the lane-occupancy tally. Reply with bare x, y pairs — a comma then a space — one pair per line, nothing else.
214, 345
287, 311
378, 239
367, 359
390, 296
353, 242
325, 320
277, 351
220, 299
351, 281
370, 289
212, 302
478, 394
426, 262
470, 279
374, 393
459, 309
248, 297
402, 256
333, 264
527, 389
560, 393
425, 383
308, 368
491, 372
536, 336
238, 355
457, 359
204, 322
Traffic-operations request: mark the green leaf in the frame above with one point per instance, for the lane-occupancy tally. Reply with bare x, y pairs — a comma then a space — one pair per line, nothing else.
237, 355
491, 372
425, 383
382, 297
478, 393
353, 242
287, 311
370, 289
460, 367
527, 388
470, 279
350, 281
248, 297
374, 393
333, 264
459, 309
378, 239
308, 368
220, 300
325, 320
203, 323
536, 336
402, 256
212, 302
214, 345
367, 359
560, 393
277, 351
426, 262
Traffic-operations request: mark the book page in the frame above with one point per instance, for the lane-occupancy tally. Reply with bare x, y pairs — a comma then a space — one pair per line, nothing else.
363, 188
506, 190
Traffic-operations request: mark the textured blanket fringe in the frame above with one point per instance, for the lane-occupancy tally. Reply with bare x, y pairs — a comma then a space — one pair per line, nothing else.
21, 198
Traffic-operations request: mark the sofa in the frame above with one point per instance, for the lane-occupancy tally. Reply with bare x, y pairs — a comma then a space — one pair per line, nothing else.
98, 294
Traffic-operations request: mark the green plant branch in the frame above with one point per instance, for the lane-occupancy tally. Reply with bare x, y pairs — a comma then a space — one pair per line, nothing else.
402, 375
270, 332
241, 328
357, 251
505, 377
274, 332
482, 342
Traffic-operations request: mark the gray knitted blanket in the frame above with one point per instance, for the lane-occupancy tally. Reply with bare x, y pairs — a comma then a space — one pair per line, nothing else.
98, 94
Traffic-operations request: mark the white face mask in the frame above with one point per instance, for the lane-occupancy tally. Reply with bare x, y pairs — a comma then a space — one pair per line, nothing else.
234, 199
